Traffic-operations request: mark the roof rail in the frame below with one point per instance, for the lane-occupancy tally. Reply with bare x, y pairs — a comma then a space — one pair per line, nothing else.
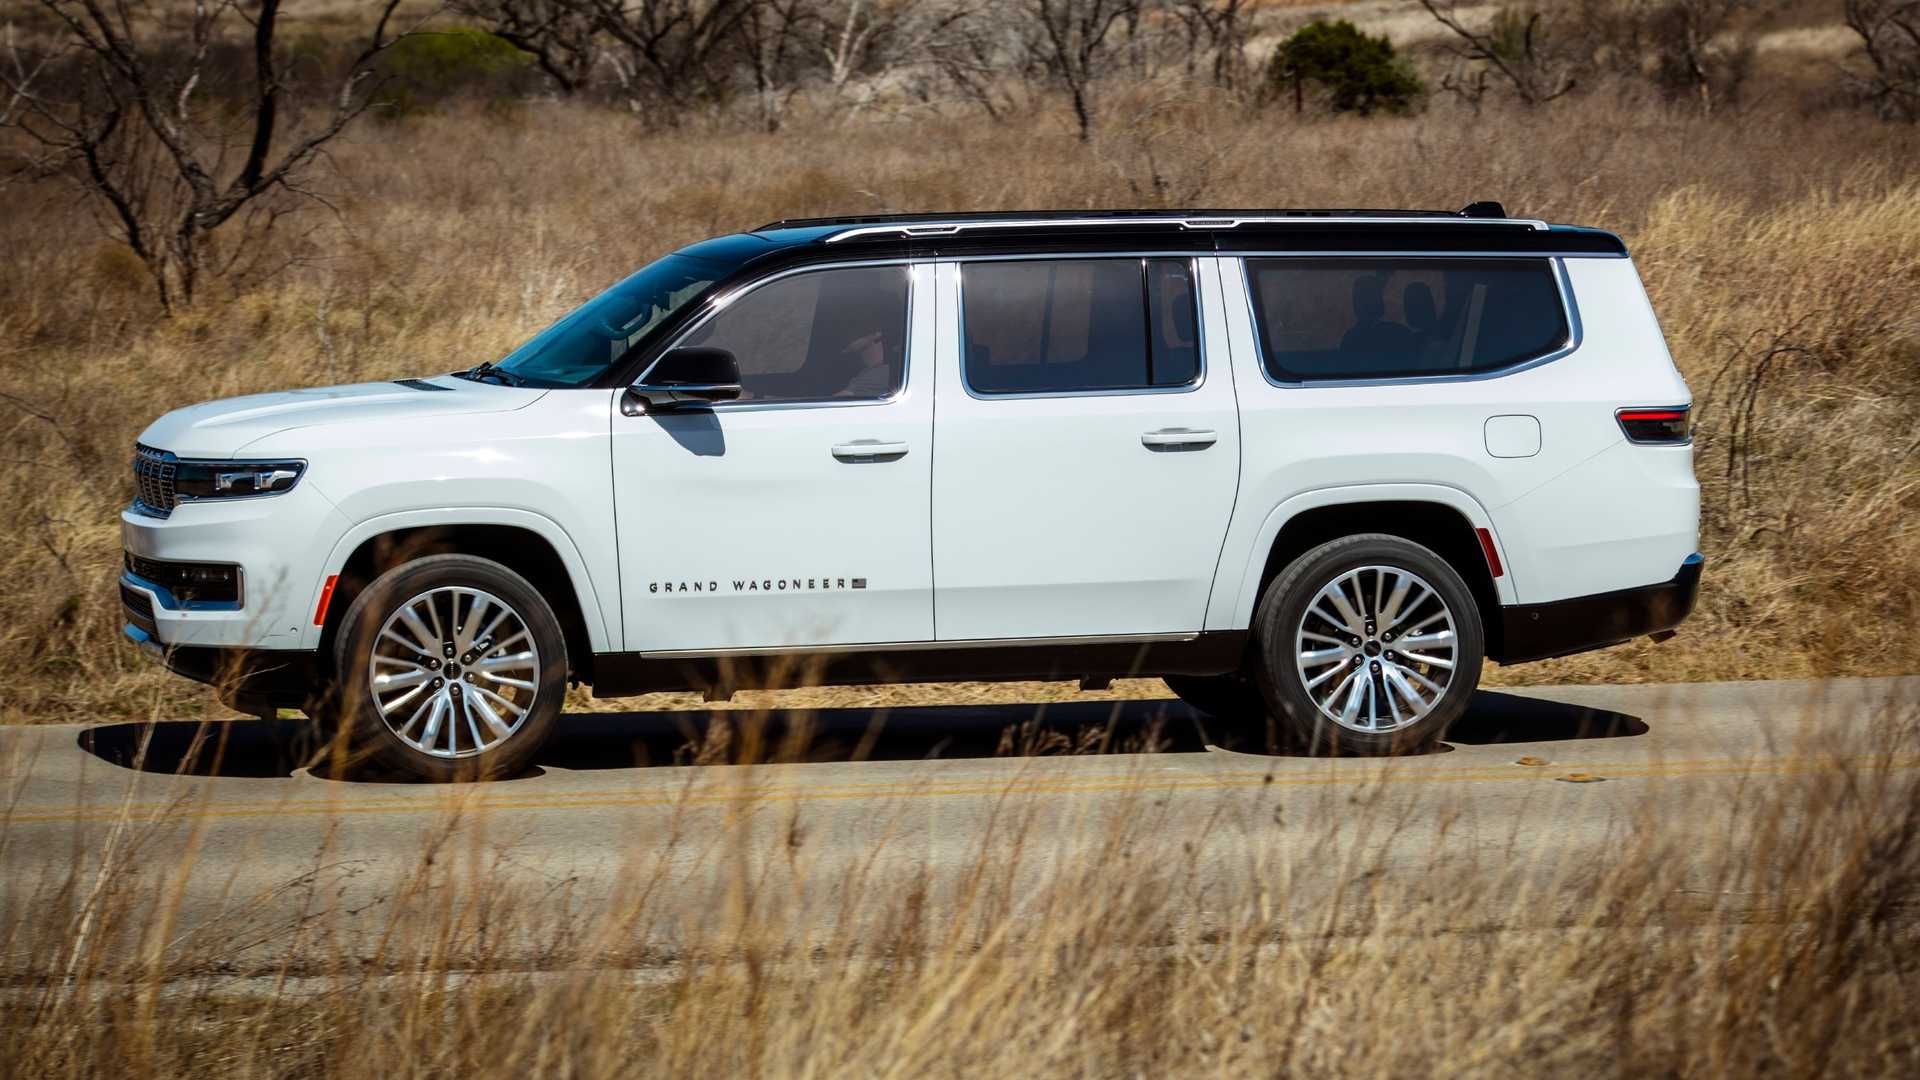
931, 225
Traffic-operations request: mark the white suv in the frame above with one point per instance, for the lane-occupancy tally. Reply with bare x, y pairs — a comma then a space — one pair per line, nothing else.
1307, 465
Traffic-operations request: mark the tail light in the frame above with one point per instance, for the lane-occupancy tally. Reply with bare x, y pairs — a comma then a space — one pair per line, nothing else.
1668, 425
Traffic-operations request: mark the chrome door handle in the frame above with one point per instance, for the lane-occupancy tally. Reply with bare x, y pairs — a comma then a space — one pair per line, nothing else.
1176, 438
870, 450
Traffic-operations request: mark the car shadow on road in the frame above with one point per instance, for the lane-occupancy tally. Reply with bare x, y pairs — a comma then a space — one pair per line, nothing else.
625, 740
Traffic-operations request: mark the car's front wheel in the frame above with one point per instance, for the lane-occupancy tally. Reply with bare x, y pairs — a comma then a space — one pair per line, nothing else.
1369, 644
450, 667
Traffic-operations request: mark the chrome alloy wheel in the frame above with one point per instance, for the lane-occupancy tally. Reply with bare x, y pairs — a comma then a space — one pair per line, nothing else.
1376, 649
454, 672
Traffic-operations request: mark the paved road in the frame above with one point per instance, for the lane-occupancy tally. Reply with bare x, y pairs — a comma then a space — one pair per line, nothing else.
247, 848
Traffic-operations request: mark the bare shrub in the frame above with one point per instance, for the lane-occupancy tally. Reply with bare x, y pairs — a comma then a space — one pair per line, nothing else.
1700, 51
1214, 37
1079, 43
132, 125
1515, 44
560, 35
1889, 33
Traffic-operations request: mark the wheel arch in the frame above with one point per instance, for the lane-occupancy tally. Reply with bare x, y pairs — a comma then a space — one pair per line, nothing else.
545, 556
1440, 518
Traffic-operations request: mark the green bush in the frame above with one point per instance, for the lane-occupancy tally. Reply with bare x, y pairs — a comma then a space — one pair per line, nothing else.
1359, 73
422, 70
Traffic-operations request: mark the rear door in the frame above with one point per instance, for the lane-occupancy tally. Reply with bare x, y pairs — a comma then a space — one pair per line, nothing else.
1086, 447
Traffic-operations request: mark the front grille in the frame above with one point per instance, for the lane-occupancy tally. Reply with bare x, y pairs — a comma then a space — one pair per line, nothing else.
139, 607
153, 473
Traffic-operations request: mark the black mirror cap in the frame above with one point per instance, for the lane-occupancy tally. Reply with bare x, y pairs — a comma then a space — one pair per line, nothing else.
694, 365
682, 378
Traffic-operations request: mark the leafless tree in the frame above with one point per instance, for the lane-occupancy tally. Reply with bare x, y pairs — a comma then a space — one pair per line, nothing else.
1696, 50
984, 53
1215, 30
560, 35
1079, 42
671, 53
776, 37
1889, 32
1513, 45
132, 124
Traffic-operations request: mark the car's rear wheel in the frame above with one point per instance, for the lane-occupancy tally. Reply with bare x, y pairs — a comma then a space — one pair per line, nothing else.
450, 667
1369, 644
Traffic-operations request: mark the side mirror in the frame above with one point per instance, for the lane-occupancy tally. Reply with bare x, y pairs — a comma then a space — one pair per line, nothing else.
684, 377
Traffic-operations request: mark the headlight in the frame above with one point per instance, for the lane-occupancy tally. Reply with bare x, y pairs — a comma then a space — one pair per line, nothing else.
232, 479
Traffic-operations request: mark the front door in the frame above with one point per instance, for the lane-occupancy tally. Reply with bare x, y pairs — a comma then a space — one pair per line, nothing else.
797, 516
1087, 449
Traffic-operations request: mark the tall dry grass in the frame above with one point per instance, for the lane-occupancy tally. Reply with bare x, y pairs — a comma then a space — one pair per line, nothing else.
1782, 252
1758, 926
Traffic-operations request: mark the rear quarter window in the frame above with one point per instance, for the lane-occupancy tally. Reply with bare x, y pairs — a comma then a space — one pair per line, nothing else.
1377, 318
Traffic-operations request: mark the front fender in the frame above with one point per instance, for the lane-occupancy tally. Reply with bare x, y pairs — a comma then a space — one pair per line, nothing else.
590, 594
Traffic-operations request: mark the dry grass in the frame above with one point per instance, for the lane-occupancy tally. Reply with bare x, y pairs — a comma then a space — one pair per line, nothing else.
1763, 928
1782, 252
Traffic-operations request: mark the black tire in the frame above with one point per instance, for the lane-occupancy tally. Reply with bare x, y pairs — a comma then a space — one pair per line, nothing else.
365, 738
1223, 697
1284, 606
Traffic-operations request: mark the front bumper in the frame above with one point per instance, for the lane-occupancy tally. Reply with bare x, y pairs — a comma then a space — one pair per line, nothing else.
280, 544
250, 680
1563, 627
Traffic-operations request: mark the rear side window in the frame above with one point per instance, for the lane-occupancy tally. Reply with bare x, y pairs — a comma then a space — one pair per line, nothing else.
1079, 325
1368, 318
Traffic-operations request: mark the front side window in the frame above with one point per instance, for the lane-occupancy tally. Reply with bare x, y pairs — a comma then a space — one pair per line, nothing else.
818, 336
1079, 325
1365, 318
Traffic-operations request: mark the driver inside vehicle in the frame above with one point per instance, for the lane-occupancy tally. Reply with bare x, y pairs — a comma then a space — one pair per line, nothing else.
873, 378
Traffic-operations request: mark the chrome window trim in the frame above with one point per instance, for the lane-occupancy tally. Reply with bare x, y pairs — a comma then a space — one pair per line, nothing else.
922, 646
1576, 331
1200, 327
1410, 253
726, 299
1196, 223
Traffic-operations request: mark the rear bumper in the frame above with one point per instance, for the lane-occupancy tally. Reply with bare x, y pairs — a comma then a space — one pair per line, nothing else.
1563, 627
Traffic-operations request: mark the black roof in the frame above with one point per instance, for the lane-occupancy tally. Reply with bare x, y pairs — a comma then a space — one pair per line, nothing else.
1479, 228
1480, 210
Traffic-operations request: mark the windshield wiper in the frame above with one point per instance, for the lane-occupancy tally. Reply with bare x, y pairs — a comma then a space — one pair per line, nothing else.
481, 372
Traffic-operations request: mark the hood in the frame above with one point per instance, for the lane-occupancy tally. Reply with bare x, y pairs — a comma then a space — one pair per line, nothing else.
221, 429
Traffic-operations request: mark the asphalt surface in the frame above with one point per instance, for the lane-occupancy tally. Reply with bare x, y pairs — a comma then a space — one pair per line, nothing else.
241, 852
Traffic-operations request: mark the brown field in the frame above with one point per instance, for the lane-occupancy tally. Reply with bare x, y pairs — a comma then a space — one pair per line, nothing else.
1780, 241
1782, 252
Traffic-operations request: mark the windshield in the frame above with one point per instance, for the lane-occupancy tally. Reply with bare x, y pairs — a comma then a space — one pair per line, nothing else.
595, 335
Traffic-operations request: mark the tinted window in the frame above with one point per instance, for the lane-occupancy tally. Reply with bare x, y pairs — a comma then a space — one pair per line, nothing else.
598, 333
1373, 318
1079, 324
815, 336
